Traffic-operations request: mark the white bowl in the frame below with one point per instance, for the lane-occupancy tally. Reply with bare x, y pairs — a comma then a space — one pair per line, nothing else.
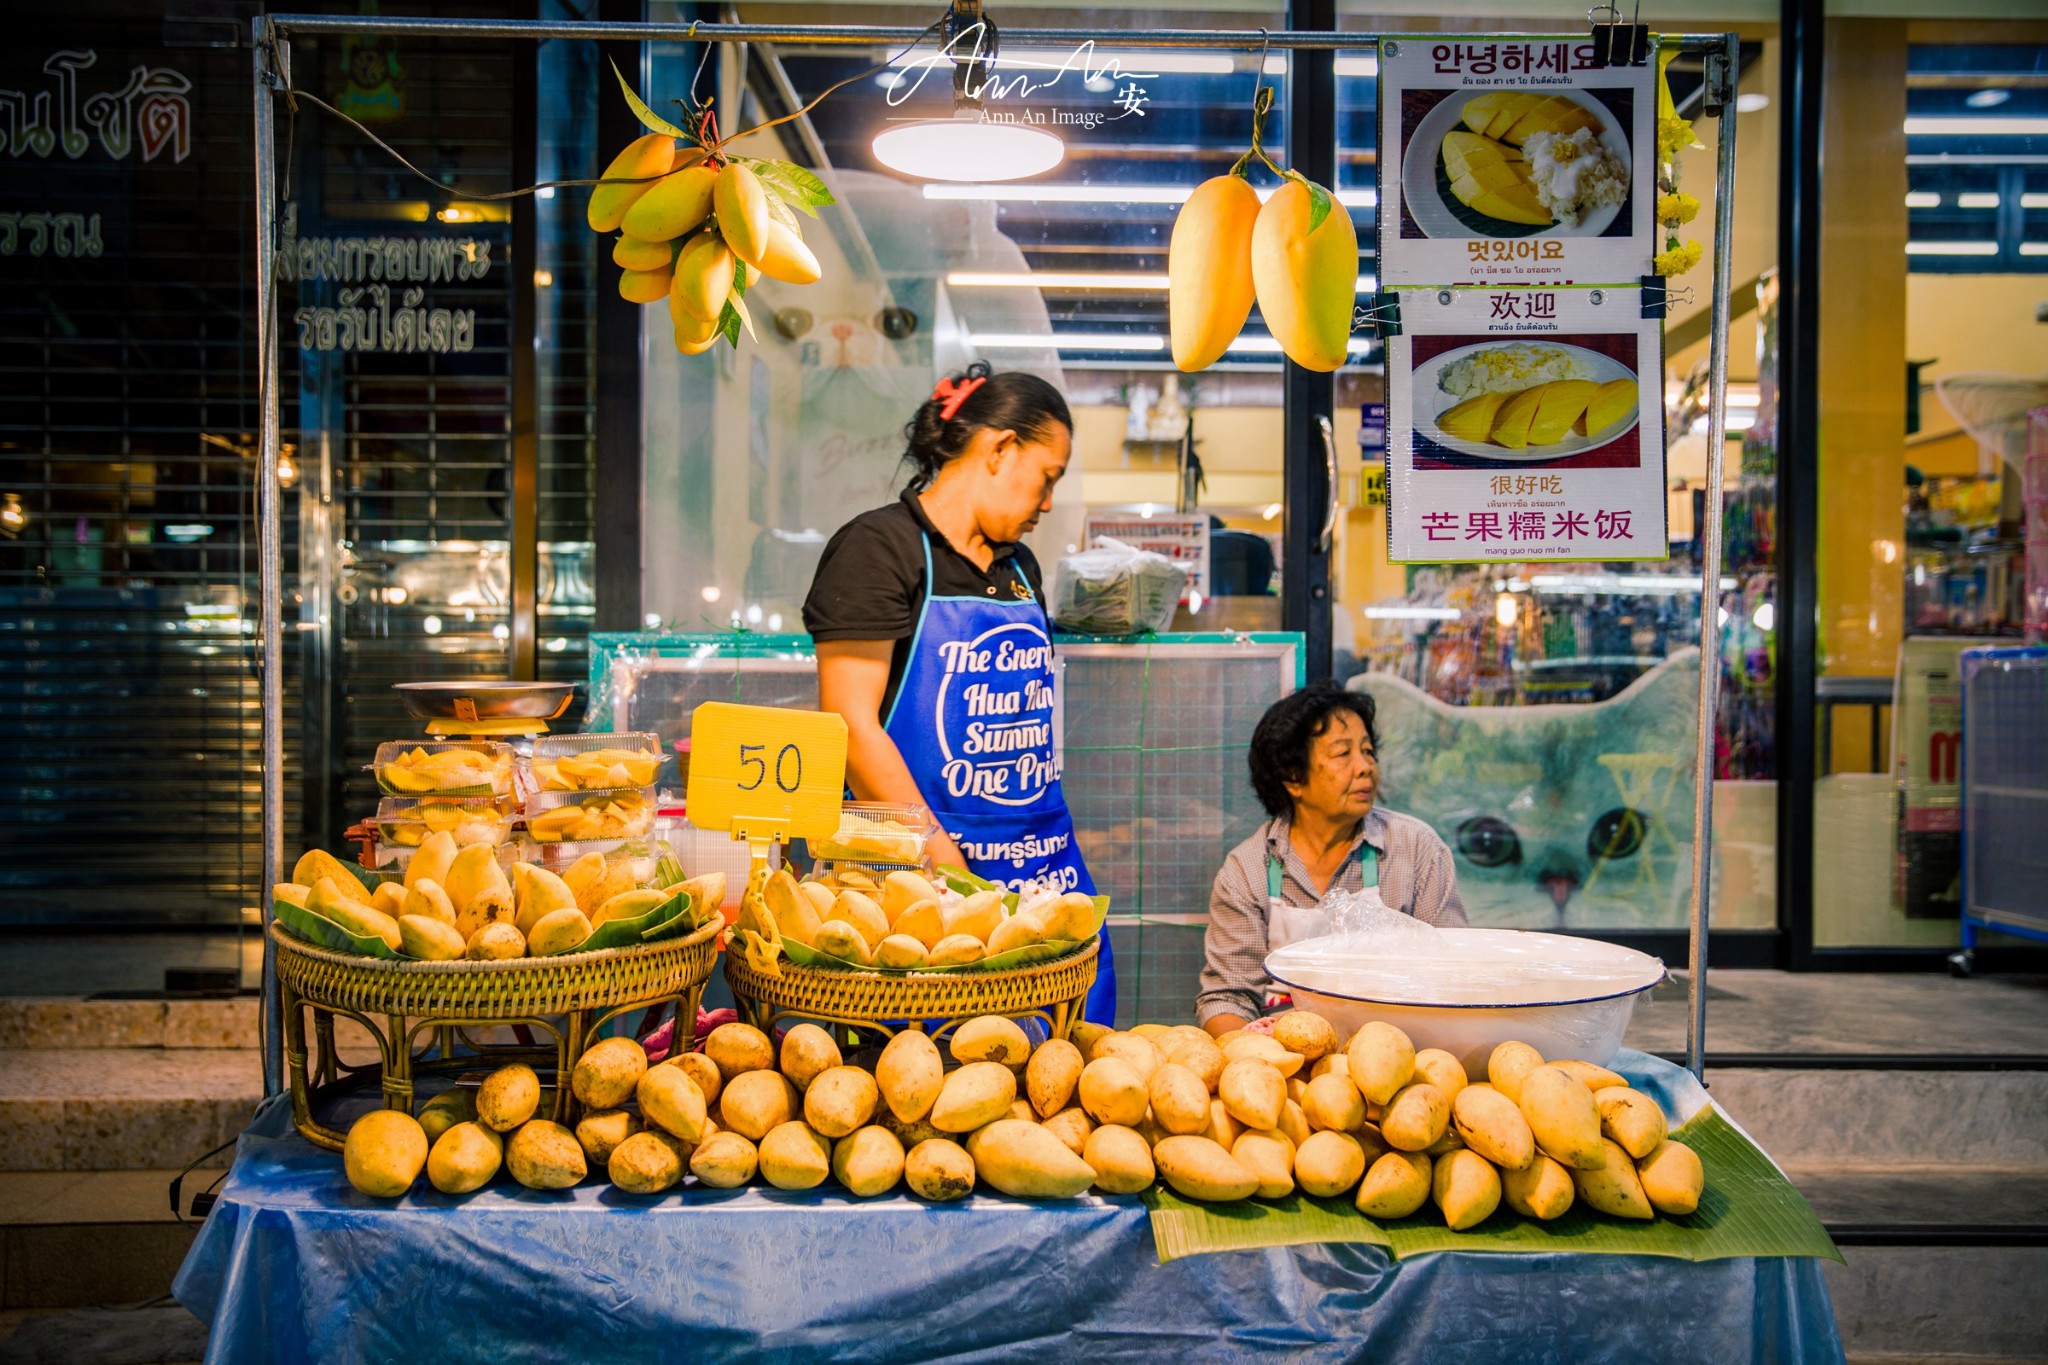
1564, 996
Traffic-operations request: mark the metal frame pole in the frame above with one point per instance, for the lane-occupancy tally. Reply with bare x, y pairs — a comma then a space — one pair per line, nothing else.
269, 532
1719, 75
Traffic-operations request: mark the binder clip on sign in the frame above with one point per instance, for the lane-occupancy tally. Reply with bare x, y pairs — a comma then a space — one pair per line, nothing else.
768, 774
1616, 43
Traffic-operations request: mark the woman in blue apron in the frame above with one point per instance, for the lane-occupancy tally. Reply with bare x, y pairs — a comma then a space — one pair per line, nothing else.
934, 644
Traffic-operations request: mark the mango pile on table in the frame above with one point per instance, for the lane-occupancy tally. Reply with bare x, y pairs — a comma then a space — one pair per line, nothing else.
1250, 1116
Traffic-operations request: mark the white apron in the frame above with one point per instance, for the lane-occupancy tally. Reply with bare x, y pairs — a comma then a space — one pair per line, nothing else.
1288, 923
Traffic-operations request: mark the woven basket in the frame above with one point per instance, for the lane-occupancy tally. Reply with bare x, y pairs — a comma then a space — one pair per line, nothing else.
1053, 990
512, 989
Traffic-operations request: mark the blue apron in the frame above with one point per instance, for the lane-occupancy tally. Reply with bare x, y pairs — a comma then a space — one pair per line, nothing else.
973, 718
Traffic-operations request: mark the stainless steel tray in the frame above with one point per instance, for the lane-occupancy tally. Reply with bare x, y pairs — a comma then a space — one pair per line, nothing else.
478, 701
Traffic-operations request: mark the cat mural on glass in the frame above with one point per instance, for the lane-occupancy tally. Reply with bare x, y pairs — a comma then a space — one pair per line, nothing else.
1559, 816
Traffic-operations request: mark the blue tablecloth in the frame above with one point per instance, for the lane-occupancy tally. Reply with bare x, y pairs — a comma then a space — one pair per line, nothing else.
294, 1265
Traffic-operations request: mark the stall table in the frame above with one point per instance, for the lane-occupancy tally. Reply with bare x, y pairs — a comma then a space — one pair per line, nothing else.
294, 1265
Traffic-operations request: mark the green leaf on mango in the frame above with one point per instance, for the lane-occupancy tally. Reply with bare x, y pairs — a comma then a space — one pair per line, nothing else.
654, 122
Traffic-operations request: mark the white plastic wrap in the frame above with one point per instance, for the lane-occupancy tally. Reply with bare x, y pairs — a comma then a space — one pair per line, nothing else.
1112, 588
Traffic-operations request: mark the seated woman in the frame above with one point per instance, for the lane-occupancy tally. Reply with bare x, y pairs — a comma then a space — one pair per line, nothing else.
1314, 766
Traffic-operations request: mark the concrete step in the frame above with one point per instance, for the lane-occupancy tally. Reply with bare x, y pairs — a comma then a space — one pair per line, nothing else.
77, 1238
59, 1023
117, 1109
1847, 1118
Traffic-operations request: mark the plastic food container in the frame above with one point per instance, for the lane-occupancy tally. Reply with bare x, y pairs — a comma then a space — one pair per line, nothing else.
587, 817
637, 858
387, 857
1566, 997
591, 763
444, 768
878, 832
703, 851
406, 821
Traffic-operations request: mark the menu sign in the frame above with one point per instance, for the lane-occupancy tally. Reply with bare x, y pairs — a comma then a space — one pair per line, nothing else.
1525, 424
1513, 161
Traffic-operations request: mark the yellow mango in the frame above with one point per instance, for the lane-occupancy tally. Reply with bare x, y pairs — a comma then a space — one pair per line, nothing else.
670, 1099
841, 1101
1614, 1188
1200, 1169
1180, 1102
921, 922
1271, 1159
1493, 1126
1543, 1189
1381, 1059
508, 1097
537, 893
1017, 931
600, 1132
1194, 1049
977, 1093
447, 1109
899, 952
646, 286
990, 1038
1511, 423
545, 1156
478, 888
651, 155
737, 1048
910, 1074
808, 1052
796, 914
1672, 1178
1611, 403
1556, 114
464, 1158
939, 1169
317, 863
703, 278
1562, 1117
702, 1070
1441, 1070
868, 1161
1112, 1091
608, 1072
1224, 1130
1415, 1118
1472, 420
291, 893
558, 932
678, 203
1265, 1049
1306, 283
1631, 1118
498, 941
384, 1152
428, 939
978, 915
1085, 1036
630, 253
1308, 1034
1121, 1160
1559, 409
642, 1164
1466, 1188
837, 938
794, 1156
1329, 1164
1025, 1161
1332, 1102
1394, 1186
1071, 1126
426, 899
956, 950
1508, 1063
860, 910
753, 1103
389, 897
1070, 918
331, 902
1209, 270
432, 859
786, 258
741, 205
724, 1161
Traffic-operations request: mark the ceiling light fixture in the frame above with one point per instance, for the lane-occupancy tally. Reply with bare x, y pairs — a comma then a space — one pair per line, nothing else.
1976, 127
1922, 199
1108, 194
1951, 248
1986, 99
969, 145
1752, 102
1976, 201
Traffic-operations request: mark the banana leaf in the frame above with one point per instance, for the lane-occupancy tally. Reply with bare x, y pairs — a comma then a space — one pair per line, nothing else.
322, 932
673, 914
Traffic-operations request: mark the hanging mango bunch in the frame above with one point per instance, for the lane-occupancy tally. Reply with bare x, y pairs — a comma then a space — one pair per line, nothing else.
698, 225
1296, 256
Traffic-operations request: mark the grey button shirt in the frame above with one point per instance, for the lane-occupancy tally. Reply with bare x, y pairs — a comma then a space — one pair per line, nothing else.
1416, 878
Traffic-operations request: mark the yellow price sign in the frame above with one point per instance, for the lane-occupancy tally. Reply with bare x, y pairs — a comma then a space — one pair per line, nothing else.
766, 772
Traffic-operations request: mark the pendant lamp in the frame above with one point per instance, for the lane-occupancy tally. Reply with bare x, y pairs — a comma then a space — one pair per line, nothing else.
967, 146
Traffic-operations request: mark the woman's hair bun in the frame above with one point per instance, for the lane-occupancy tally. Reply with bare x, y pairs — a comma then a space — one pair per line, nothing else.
1010, 401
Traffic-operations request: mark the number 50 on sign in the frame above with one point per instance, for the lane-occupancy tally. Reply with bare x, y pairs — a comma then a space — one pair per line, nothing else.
764, 772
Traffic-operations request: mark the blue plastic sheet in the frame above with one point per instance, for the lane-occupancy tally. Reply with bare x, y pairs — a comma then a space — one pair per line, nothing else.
293, 1265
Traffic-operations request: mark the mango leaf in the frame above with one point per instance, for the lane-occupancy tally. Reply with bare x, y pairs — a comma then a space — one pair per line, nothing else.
739, 306
790, 183
625, 933
739, 278
1318, 200
781, 212
729, 325
323, 932
654, 122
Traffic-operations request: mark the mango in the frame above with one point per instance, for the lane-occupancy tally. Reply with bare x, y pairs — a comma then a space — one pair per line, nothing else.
786, 258
316, 863
1141, 1054
1542, 1189
586, 879
956, 950
1071, 918
1631, 1118
922, 924
1195, 1050
1611, 404
741, 206
291, 893
737, 1048
1025, 1161
977, 915
558, 932
1615, 1187
676, 204
608, 1073
478, 888
1311, 1035
671, 1100
1051, 1074
1209, 270
703, 278
600, 1132
1014, 932
1180, 1102
1562, 1117
1071, 1126
536, 894
1493, 1126
431, 861
1381, 1060
1254, 1093
388, 897
796, 915
1294, 1123
1472, 420
1672, 1178
643, 1164
508, 1097
1508, 1063
1394, 1186
901, 890
545, 1156
808, 1052
702, 1070
1332, 1102
837, 938
445, 1110
977, 1093
1200, 1169
910, 1074
1271, 1159
1307, 283
383, 1153
1112, 1091
651, 155
939, 1169
868, 1161
1594, 1078
630, 253
629, 905
1085, 1035
331, 902
754, 1103
1441, 1070
496, 941
428, 939
1329, 1164
1120, 1158
724, 1161
991, 1038
1466, 1188
1562, 404
841, 1101
466, 1157
909, 1134
707, 892
1415, 1118
1224, 1130
1261, 1048
795, 1156
425, 899
1511, 423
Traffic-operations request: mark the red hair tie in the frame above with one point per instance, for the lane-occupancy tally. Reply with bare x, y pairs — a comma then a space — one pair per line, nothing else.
951, 393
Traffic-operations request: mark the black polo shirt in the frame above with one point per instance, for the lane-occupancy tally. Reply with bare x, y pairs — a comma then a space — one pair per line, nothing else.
870, 584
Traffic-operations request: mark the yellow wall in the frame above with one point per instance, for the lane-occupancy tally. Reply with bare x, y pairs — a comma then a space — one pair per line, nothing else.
1862, 347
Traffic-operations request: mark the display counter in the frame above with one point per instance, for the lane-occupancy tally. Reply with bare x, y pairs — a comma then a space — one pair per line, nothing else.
292, 1264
